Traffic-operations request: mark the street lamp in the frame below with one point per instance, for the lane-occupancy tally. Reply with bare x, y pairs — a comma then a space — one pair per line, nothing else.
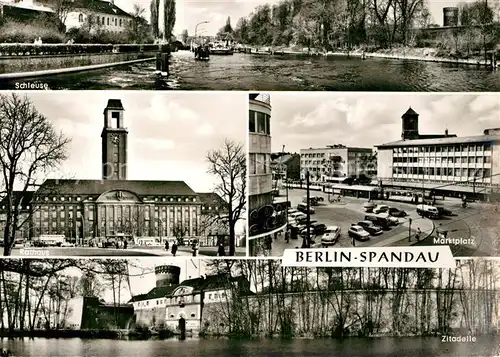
306, 243
198, 24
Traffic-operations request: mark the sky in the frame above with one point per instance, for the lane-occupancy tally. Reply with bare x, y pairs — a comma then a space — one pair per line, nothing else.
191, 12
304, 120
143, 279
170, 133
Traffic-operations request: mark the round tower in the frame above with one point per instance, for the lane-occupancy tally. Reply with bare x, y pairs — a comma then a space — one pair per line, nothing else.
167, 275
450, 16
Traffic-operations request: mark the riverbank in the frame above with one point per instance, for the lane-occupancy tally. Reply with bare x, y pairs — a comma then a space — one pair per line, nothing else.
399, 53
85, 334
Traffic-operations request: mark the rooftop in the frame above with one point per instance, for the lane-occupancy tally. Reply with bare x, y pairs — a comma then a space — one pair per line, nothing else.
410, 111
102, 7
443, 141
91, 187
114, 104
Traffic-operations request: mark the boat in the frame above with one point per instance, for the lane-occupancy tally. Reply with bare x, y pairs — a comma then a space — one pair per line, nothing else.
219, 48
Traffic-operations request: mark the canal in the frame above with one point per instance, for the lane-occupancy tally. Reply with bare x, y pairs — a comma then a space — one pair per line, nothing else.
355, 347
287, 73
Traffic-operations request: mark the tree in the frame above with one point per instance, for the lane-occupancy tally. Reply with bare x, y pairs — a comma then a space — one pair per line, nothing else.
138, 29
29, 149
184, 36
228, 164
62, 8
169, 18
179, 231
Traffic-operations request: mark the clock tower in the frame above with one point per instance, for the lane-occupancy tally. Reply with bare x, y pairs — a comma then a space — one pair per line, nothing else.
410, 125
114, 142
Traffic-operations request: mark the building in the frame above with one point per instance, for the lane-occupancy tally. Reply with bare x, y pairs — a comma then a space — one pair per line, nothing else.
450, 16
441, 164
263, 221
334, 161
115, 208
286, 167
185, 307
97, 14
23, 10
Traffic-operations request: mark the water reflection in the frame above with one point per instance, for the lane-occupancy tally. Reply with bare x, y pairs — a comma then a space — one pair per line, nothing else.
376, 347
249, 72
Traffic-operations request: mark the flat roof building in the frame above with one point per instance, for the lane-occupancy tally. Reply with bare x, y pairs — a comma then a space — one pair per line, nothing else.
444, 164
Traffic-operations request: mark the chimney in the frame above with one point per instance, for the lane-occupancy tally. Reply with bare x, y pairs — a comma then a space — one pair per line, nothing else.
446, 132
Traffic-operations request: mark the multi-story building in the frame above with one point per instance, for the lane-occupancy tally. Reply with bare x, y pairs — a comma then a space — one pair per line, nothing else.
261, 225
97, 14
115, 208
334, 161
186, 306
441, 164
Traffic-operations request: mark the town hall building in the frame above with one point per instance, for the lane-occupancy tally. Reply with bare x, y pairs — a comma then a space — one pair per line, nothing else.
115, 208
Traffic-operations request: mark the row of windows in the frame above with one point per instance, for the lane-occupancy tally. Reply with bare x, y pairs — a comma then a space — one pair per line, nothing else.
90, 198
259, 164
445, 160
444, 148
442, 171
259, 123
105, 20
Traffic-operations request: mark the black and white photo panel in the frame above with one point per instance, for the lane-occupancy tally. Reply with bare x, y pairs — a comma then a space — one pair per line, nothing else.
272, 45
373, 170
251, 308
121, 174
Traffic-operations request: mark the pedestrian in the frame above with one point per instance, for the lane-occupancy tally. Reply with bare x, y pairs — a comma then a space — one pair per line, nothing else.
220, 251
195, 248
287, 236
417, 236
353, 242
174, 249
166, 245
125, 243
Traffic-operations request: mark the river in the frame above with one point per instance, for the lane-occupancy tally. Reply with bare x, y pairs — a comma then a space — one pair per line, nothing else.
287, 73
355, 347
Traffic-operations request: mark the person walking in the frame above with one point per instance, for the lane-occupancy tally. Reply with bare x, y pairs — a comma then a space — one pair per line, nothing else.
167, 246
174, 249
419, 233
220, 251
195, 248
353, 241
287, 236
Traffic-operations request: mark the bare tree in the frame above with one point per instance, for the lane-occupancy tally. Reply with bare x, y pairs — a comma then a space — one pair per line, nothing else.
30, 148
180, 231
228, 163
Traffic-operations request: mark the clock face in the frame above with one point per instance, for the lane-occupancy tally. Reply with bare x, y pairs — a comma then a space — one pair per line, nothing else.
115, 139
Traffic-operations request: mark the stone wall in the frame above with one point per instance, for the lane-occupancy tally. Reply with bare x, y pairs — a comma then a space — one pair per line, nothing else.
21, 64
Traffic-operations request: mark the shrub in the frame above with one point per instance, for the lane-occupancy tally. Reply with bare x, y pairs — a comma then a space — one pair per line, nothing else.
27, 32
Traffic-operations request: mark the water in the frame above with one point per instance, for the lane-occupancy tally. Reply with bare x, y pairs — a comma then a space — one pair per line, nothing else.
300, 73
379, 347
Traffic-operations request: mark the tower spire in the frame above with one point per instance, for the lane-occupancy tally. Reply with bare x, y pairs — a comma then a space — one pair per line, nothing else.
114, 142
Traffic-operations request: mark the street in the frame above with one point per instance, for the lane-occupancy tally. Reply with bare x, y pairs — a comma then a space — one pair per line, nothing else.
133, 251
476, 221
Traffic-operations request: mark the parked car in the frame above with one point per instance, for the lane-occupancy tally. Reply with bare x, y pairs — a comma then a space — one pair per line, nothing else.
369, 206
380, 209
302, 207
358, 233
428, 211
371, 227
444, 211
396, 212
317, 198
292, 211
330, 236
382, 222
303, 220
319, 228
313, 200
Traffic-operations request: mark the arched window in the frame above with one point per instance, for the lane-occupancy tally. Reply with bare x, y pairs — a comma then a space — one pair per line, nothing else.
80, 18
